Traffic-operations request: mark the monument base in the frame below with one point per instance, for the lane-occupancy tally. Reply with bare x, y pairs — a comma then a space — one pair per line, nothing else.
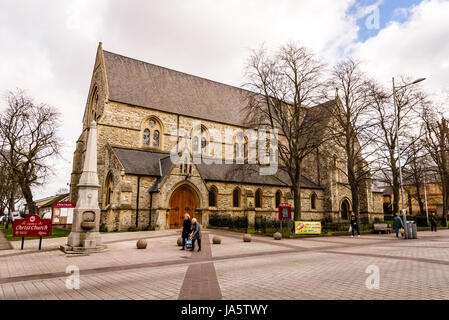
82, 250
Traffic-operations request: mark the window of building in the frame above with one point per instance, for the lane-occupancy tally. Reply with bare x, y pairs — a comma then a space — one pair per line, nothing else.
313, 201
212, 197
152, 133
146, 137
236, 198
156, 138
278, 198
200, 138
108, 190
258, 199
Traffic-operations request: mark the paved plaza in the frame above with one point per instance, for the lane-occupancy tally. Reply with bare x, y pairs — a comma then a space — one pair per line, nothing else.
306, 268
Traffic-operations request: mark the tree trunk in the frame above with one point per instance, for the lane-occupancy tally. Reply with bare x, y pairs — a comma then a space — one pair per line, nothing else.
28, 195
297, 202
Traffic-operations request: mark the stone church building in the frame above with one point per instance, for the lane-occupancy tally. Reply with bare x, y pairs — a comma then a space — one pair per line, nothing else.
137, 106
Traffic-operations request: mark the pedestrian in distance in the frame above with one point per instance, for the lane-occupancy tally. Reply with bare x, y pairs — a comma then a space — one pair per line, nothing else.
398, 224
196, 234
433, 222
186, 228
354, 224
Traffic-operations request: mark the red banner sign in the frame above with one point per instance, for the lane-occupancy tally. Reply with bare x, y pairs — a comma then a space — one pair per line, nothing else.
285, 211
63, 204
32, 226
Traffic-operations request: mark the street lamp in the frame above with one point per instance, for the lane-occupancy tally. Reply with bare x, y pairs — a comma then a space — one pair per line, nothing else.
396, 116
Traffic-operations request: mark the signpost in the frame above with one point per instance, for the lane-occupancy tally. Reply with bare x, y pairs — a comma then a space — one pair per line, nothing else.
32, 226
285, 213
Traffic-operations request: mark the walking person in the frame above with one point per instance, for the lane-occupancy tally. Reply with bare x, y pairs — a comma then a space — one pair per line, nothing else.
186, 228
398, 224
196, 234
355, 224
433, 222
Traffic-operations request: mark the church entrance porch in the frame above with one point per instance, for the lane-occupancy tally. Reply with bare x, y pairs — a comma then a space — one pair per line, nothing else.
182, 202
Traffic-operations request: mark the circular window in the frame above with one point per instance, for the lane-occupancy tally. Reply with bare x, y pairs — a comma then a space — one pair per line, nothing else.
152, 123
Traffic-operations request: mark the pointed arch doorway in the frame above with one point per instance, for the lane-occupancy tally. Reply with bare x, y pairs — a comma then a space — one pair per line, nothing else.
182, 202
345, 209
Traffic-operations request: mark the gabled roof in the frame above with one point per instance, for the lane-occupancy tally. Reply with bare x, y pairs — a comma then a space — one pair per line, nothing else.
147, 85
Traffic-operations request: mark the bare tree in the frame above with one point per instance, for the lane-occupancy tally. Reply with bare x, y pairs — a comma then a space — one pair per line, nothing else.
282, 87
353, 124
415, 171
408, 101
28, 140
436, 142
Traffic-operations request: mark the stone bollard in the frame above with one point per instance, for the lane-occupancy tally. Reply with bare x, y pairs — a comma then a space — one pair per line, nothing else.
277, 236
141, 244
246, 238
179, 242
216, 240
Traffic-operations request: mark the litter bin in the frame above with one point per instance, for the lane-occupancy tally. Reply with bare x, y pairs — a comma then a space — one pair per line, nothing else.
411, 230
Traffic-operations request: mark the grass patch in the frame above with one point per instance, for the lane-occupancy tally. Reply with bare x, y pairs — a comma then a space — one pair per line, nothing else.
55, 233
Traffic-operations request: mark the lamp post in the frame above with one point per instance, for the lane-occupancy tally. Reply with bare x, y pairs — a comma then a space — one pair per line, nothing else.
396, 115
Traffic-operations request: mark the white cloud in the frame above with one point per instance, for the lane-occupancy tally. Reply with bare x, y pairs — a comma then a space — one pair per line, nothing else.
416, 48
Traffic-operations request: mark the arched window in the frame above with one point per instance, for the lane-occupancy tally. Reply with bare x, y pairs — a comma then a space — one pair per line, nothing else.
152, 132
195, 144
258, 199
236, 198
200, 140
93, 106
212, 197
156, 138
203, 145
313, 200
278, 198
146, 137
236, 151
108, 190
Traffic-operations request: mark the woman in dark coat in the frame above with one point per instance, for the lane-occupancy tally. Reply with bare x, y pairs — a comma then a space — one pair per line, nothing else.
196, 234
186, 227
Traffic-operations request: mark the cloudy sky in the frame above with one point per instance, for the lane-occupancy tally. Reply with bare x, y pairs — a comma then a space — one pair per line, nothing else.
48, 46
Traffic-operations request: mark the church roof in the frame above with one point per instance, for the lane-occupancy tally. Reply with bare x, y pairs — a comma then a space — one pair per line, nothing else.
140, 162
150, 163
147, 85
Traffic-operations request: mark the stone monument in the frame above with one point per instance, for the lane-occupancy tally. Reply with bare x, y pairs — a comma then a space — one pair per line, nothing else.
85, 235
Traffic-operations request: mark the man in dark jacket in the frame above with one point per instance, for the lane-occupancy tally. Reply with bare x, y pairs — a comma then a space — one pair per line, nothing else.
196, 234
433, 222
355, 224
186, 228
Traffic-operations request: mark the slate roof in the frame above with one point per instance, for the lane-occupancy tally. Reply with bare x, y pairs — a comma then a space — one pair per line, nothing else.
140, 162
149, 163
147, 85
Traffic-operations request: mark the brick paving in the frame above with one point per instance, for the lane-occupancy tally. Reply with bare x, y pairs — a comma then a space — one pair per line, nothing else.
200, 282
308, 268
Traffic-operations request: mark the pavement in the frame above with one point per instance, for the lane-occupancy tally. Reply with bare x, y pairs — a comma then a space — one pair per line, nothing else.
372, 267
